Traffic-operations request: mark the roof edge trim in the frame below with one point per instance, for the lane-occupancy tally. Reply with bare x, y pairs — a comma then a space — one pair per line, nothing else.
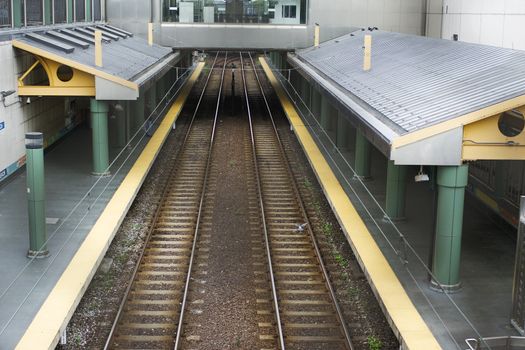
466, 119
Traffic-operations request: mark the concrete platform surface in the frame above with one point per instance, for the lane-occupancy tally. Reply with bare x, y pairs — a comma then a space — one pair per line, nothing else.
25, 283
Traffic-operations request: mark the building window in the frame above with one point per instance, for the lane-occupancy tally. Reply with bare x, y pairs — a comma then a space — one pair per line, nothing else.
80, 10
235, 11
5, 13
59, 11
34, 12
289, 11
97, 10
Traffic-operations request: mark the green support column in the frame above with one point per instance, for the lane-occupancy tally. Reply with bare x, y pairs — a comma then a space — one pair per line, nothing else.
342, 131
305, 92
167, 85
36, 195
363, 150
48, 12
325, 113
451, 181
152, 99
139, 112
88, 11
99, 132
70, 15
128, 115
316, 103
18, 14
395, 191
121, 125
161, 88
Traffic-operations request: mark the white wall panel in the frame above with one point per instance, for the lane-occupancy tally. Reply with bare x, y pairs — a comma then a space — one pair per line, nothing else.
489, 22
491, 31
470, 27
513, 32
451, 26
407, 16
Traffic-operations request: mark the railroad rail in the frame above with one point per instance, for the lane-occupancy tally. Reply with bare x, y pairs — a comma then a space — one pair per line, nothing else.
150, 314
306, 309
291, 280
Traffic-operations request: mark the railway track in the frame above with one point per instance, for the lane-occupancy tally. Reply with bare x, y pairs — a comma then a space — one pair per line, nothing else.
155, 301
295, 303
307, 314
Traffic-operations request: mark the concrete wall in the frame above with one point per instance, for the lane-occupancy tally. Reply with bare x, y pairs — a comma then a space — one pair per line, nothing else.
336, 17
490, 22
405, 16
132, 15
43, 114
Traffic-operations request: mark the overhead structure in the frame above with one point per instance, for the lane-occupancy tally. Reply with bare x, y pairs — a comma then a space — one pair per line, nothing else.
423, 100
69, 59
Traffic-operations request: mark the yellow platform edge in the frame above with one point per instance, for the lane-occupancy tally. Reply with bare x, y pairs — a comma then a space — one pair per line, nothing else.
55, 313
406, 322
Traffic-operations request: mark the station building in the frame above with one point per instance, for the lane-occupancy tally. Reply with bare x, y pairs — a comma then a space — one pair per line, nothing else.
433, 117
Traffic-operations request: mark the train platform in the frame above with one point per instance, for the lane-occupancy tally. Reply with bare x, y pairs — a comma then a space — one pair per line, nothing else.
26, 283
479, 309
76, 202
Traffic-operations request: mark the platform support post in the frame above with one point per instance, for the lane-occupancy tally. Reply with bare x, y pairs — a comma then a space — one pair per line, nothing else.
152, 99
363, 152
325, 113
36, 195
395, 191
139, 111
99, 132
128, 115
342, 131
316, 103
121, 125
305, 94
451, 181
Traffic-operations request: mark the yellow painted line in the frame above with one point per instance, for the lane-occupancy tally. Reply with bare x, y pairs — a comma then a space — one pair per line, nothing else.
407, 322
74, 64
54, 315
486, 199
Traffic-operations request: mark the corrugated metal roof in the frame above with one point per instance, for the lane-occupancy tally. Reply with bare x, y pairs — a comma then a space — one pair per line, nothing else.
417, 81
124, 56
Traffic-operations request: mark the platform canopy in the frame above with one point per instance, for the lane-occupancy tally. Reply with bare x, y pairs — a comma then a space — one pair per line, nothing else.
424, 100
67, 56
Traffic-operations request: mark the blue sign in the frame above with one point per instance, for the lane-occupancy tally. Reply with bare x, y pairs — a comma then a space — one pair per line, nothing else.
2, 125
3, 174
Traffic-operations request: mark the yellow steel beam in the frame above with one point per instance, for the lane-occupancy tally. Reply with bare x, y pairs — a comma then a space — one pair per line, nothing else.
21, 79
55, 91
73, 64
78, 84
483, 140
54, 315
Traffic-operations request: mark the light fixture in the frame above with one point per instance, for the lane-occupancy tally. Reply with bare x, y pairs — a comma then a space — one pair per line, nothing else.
4, 94
118, 107
421, 176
